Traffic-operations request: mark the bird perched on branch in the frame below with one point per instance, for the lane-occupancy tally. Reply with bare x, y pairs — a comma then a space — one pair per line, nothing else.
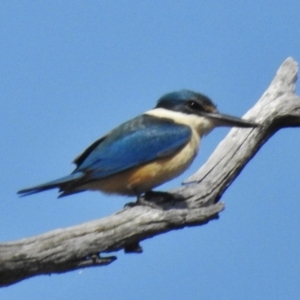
146, 151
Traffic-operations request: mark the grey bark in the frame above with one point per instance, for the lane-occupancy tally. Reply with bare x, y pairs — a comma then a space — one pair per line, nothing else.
197, 201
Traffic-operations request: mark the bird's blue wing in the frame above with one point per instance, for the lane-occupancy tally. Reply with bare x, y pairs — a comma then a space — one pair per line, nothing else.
133, 143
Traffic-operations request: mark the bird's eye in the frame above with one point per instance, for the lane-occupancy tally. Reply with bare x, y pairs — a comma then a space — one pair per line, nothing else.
194, 105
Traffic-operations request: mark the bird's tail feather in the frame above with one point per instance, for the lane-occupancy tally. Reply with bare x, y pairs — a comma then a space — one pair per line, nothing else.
61, 183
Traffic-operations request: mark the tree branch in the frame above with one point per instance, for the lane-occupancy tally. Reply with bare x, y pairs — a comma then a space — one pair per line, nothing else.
196, 203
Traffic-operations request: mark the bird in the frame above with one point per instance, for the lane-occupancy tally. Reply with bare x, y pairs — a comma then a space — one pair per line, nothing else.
146, 151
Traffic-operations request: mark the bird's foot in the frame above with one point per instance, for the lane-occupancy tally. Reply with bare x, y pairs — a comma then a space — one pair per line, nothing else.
141, 201
158, 197
156, 200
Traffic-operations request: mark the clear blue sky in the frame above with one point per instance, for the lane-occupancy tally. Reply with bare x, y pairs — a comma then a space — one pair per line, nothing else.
72, 70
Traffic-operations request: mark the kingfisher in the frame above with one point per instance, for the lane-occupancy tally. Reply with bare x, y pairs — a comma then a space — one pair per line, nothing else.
146, 151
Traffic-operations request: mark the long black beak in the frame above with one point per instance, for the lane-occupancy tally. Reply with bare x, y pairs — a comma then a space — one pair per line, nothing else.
230, 121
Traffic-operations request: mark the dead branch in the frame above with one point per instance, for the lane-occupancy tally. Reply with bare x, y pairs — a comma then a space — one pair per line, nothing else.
197, 202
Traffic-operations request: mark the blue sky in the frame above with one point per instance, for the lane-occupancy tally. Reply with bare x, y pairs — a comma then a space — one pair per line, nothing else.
72, 70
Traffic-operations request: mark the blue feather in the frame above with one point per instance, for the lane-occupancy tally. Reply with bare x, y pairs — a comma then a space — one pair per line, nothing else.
60, 183
132, 144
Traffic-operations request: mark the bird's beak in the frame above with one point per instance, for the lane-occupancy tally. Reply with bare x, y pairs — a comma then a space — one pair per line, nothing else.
230, 121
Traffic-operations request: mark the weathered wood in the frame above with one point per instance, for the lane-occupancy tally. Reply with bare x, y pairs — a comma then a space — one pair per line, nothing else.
80, 246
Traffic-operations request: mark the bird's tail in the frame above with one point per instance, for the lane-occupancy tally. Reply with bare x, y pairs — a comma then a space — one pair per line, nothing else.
62, 183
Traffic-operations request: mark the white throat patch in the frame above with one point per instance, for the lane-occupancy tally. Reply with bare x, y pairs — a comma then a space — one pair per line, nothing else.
199, 124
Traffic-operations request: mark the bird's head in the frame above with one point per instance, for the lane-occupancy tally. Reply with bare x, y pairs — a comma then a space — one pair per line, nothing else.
200, 109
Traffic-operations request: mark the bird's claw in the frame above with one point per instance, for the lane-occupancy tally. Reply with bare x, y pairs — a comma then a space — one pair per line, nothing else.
155, 200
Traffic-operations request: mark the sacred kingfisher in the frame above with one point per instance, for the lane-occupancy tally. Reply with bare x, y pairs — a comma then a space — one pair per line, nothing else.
146, 151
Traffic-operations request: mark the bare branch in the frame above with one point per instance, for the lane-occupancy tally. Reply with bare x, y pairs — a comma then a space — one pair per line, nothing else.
196, 203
